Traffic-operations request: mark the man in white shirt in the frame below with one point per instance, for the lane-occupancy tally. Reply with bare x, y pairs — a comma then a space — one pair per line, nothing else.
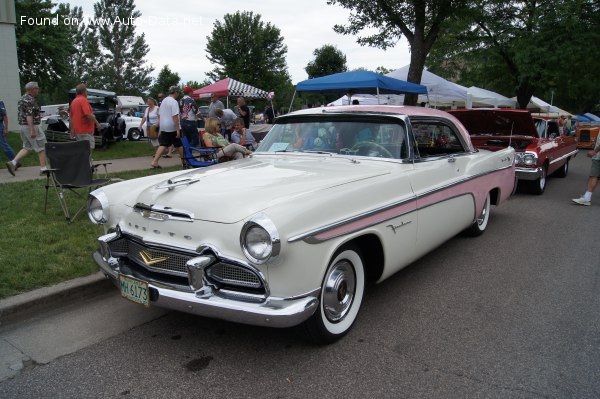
170, 128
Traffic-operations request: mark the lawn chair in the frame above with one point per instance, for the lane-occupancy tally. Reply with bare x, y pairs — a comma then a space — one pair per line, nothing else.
197, 157
71, 169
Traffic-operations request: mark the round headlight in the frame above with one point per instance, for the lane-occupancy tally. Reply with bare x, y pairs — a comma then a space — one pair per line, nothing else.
98, 207
259, 239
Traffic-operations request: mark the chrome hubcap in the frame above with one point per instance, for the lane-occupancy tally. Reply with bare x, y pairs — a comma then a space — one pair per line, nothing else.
338, 293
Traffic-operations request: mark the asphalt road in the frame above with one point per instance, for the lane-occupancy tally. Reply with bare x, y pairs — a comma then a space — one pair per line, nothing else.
511, 314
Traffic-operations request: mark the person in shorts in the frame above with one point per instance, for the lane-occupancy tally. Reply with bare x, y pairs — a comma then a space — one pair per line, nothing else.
586, 198
82, 119
170, 128
32, 135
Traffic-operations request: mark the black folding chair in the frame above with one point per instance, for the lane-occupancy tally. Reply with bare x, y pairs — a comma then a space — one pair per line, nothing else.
71, 169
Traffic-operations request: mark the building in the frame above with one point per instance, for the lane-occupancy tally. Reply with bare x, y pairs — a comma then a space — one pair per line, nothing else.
10, 91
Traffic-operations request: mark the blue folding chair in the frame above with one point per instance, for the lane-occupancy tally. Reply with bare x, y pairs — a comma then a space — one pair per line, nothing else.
197, 157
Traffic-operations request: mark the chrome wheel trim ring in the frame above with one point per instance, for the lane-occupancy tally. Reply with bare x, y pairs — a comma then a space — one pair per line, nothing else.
484, 213
339, 291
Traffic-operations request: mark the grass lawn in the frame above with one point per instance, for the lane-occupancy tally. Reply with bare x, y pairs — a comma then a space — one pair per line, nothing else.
40, 249
117, 150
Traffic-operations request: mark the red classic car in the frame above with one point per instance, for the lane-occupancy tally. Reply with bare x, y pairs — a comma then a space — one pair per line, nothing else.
541, 148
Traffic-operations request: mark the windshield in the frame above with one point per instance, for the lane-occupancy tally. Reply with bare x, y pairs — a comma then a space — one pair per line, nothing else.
384, 139
540, 126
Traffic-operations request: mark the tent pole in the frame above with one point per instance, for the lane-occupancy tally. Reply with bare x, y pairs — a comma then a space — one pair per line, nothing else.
294, 96
377, 95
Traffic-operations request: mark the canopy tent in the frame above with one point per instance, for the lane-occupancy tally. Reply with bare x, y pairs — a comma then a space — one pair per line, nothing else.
352, 82
476, 97
538, 105
359, 82
482, 97
230, 87
441, 92
592, 117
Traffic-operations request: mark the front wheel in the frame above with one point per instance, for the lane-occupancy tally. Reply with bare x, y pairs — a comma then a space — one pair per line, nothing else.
539, 185
478, 227
562, 172
340, 298
134, 134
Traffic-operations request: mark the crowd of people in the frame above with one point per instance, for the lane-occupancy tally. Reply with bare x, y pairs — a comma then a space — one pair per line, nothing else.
171, 119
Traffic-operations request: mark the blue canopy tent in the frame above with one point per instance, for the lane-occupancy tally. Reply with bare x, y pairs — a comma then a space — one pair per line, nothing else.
364, 82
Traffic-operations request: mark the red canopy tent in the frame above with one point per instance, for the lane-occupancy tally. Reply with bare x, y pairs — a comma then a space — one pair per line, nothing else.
230, 87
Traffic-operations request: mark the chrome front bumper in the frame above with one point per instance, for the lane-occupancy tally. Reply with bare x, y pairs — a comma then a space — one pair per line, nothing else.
528, 173
206, 301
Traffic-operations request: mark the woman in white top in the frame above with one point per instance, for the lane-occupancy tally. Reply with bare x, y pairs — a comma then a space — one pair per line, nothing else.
151, 116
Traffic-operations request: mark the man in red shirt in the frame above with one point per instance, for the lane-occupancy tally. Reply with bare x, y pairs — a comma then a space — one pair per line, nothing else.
82, 117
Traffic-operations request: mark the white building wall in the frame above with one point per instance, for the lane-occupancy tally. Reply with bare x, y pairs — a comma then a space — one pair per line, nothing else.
10, 90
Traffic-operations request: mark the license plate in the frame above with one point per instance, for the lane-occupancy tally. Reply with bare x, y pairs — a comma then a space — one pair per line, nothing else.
135, 290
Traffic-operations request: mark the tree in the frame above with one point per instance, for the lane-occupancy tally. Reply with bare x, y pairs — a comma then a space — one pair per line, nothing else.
527, 47
83, 63
420, 22
166, 78
247, 49
43, 44
328, 60
123, 67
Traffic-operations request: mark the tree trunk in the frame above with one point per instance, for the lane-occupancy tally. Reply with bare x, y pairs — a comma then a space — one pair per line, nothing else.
415, 71
524, 93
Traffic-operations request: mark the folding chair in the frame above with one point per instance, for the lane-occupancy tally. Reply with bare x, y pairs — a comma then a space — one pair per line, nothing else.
198, 157
71, 169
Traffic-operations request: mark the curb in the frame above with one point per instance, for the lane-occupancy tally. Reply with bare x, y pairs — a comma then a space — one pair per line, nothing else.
28, 304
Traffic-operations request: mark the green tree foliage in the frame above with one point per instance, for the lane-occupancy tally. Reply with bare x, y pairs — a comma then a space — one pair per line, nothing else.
43, 48
522, 48
83, 63
328, 60
422, 23
166, 78
122, 64
247, 49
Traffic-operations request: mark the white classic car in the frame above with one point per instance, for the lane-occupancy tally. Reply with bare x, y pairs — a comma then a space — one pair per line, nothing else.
333, 198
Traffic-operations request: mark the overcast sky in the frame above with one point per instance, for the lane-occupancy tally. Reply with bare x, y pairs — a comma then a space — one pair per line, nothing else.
305, 25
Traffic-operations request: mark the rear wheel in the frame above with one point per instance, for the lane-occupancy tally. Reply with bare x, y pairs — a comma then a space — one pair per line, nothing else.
134, 134
539, 185
478, 227
340, 298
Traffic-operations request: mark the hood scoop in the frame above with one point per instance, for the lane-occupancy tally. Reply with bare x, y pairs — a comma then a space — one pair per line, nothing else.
163, 213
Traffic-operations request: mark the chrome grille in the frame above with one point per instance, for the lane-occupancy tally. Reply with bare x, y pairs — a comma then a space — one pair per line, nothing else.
174, 264
584, 136
234, 275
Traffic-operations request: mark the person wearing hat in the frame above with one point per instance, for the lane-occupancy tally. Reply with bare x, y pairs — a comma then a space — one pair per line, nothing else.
215, 103
189, 109
170, 129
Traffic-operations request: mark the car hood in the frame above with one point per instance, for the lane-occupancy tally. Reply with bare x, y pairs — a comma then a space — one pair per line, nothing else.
230, 192
497, 122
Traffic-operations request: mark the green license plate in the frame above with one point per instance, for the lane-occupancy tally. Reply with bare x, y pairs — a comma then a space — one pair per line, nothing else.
135, 290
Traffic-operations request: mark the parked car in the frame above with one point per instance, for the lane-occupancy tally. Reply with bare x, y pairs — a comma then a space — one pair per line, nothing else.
129, 127
541, 149
331, 199
587, 134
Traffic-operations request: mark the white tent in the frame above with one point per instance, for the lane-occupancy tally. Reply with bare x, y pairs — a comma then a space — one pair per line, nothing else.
485, 98
539, 105
442, 92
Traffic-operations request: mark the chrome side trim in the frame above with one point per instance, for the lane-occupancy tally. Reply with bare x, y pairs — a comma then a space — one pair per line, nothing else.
308, 236
564, 156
